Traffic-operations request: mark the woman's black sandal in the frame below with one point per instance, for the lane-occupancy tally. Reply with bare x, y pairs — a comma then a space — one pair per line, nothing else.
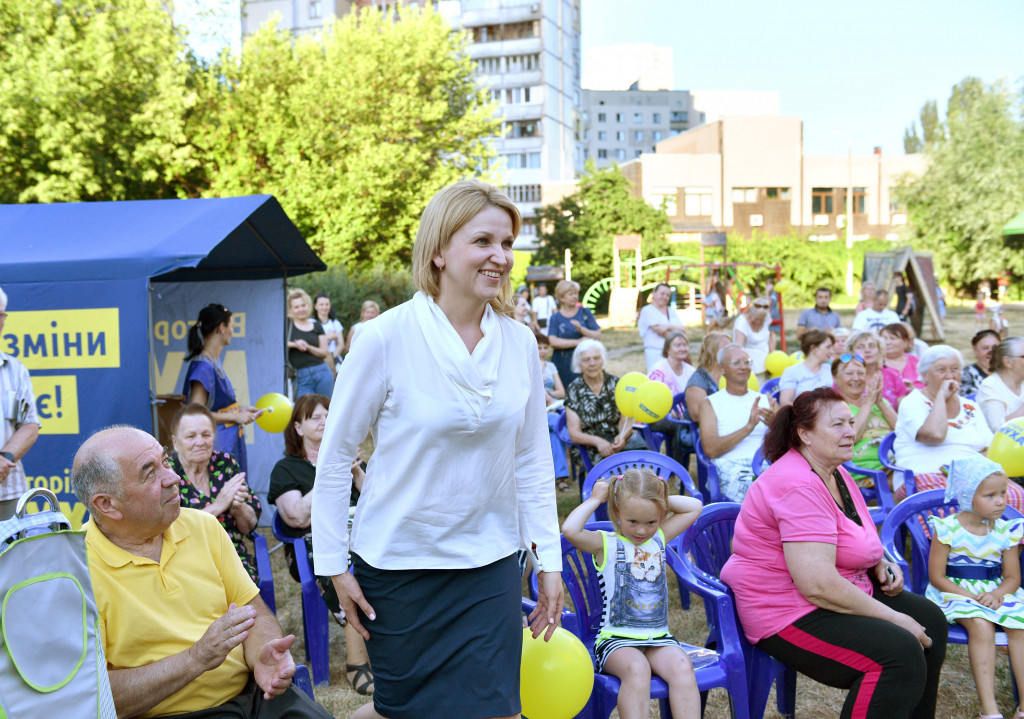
362, 682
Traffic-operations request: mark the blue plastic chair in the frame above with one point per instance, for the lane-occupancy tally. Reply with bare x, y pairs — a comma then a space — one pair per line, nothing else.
771, 387
302, 681
562, 432
710, 487
886, 456
315, 629
655, 440
661, 465
880, 493
910, 518
266, 573
709, 542
724, 668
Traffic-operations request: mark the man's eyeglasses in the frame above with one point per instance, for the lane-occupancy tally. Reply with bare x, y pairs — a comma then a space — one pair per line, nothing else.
741, 363
760, 306
847, 356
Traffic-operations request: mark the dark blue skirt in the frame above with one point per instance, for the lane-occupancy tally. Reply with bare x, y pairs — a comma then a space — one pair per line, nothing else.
446, 643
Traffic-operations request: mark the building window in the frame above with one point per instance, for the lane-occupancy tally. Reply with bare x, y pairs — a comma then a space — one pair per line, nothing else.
663, 199
522, 63
620, 154
586, 116
586, 135
602, 135
619, 117
638, 136
509, 31
620, 136
637, 153
638, 118
777, 193
679, 116
522, 128
822, 200
656, 135
697, 201
860, 200
744, 194
523, 161
601, 117
602, 154
316, 10
656, 117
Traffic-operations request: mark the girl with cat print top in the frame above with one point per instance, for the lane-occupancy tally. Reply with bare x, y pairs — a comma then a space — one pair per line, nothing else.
634, 640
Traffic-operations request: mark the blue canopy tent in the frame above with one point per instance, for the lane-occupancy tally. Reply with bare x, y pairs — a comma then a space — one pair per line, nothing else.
101, 295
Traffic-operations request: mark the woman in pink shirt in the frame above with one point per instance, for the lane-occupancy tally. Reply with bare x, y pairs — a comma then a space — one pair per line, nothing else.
812, 588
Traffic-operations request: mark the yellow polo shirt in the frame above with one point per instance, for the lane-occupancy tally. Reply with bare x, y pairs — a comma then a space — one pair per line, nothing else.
149, 611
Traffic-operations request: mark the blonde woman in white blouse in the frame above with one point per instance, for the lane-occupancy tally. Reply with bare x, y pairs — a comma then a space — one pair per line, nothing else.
1000, 395
451, 390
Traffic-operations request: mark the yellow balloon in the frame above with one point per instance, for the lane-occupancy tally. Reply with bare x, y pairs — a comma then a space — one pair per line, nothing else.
278, 412
1007, 447
653, 401
776, 362
752, 382
556, 677
796, 358
625, 392
783, 286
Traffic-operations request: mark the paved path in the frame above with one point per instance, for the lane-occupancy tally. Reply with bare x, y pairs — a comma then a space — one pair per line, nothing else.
619, 351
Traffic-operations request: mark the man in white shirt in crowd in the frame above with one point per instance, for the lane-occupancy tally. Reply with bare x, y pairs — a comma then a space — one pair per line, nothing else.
656, 320
543, 306
877, 316
19, 427
821, 316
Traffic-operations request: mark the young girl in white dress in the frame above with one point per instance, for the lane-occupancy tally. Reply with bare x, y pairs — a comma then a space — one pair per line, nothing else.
974, 572
632, 563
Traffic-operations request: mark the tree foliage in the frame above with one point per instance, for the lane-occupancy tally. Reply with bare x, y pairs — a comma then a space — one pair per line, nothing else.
353, 129
973, 185
587, 221
931, 129
93, 97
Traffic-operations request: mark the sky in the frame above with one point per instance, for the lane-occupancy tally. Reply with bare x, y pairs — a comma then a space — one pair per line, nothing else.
857, 71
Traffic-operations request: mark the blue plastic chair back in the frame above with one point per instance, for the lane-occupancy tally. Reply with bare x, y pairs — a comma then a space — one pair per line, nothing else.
724, 668
705, 548
315, 628
710, 487
664, 467
886, 457
758, 463
562, 432
771, 387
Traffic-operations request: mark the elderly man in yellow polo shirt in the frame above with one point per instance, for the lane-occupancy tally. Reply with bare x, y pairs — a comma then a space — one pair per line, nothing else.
184, 629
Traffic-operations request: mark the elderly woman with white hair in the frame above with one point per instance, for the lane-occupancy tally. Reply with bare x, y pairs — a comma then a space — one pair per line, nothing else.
591, 415
935, 425
1001, 395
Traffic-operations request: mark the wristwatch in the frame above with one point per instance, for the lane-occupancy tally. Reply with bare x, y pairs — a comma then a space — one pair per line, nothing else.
8, 456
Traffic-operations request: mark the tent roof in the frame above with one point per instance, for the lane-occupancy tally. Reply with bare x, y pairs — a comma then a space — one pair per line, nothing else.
170, 240
1015, 226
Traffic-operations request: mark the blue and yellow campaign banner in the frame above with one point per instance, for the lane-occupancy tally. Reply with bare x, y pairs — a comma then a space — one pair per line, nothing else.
253, 361
86, 350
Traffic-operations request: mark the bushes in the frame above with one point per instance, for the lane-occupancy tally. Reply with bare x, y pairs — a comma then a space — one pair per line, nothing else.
386, 286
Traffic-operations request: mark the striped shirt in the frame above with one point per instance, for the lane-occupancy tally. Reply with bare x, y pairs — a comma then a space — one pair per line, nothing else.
18, 407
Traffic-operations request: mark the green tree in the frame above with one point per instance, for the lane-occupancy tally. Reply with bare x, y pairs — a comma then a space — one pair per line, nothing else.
587, 221
93, 102
931, 130
353, 129
973, 185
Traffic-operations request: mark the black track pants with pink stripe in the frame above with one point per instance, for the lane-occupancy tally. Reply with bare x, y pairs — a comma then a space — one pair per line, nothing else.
882, 665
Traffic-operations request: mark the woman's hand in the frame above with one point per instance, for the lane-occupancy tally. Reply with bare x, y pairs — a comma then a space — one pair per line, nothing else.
246, 415
547, 615
577, 325
301, 346
905, 621
947, 389
604, 447
226, 496
889, 577
350, 595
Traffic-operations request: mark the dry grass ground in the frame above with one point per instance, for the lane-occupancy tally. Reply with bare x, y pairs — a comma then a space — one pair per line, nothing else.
957, 697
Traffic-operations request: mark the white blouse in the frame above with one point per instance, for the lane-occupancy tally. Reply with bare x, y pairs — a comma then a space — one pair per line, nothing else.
461, 474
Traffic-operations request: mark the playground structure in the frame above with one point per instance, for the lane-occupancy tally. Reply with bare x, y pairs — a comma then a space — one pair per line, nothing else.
634, 275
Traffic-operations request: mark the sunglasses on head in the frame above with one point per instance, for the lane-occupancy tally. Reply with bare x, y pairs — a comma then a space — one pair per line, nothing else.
847, 356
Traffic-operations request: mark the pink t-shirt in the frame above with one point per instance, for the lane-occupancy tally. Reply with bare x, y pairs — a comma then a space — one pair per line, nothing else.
790, 503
